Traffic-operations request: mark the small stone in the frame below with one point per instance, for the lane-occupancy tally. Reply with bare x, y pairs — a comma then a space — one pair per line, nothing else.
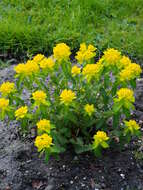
123, 176
64, 166
75, 158
82, 185
76, 177
97, 187
119, 169
71, 182
103, 185
84, 178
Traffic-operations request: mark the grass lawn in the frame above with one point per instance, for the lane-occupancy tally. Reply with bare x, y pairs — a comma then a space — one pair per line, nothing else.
31, 26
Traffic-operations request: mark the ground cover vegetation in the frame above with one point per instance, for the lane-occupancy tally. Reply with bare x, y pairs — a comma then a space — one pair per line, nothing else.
30, 27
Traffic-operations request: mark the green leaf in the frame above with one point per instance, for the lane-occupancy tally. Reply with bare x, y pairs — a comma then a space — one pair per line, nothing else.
83, 148
104, 144
100, 123
117, 106
116, 118
47, 155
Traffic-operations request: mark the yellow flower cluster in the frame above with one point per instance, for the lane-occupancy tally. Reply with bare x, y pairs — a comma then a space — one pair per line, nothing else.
130, 72
44, 125
67, 96
85, 53
43, 142
126, 97
100, 139
111, 57
39, 96
31, 67
131, 126
47, 63
21, 112
7, 88
89, 109
125, 93
61, 52
38, 58
75, 71
92, 71
124, 62
3, 103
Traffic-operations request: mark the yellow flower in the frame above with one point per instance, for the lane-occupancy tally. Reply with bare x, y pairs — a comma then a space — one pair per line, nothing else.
20, 68
21, 112
83, 47
7, 88
130, 72
3, 103
80, 57
111, 56
37, 58
124, 62
126, 96
43, 142
75, 70
91, 48
44, 125
125, 93
29, 68
89, 109
61, 52
100, 61
92, 70
131, 126
67, 96
39, 96
47, 63
85, 53
100, 139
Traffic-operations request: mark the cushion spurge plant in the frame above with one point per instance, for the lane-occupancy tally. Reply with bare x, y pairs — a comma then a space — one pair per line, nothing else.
71, 104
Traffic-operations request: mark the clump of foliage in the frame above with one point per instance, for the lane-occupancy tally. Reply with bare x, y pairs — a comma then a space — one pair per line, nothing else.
72, 104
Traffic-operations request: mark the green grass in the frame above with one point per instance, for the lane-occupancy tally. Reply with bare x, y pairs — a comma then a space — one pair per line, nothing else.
31, 26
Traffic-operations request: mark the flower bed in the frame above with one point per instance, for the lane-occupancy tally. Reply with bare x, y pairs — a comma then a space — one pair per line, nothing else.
73, 104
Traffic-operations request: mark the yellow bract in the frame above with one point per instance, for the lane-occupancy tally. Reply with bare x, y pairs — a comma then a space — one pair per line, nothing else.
4, 103
29, 68
124, 62
89, 109
47, 63
43, 142
126, 94
37, 58
111, 56
75, 70
130, 72
21, 112
131, 126
67, 96
44, 125
61, 52
100, 138
92, 71
7, 88
85, 53
39, 96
